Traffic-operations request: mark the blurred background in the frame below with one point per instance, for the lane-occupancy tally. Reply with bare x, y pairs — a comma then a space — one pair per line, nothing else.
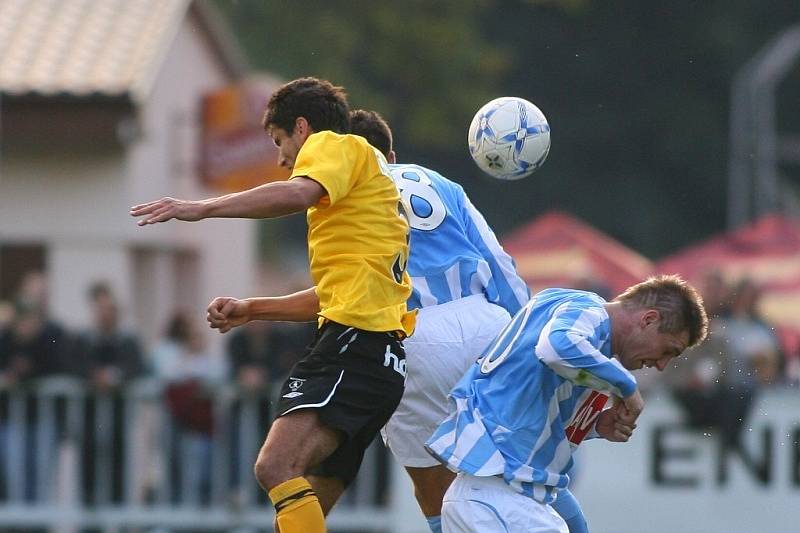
675, 148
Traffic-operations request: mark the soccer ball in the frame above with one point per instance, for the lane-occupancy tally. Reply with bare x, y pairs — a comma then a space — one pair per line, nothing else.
509, 138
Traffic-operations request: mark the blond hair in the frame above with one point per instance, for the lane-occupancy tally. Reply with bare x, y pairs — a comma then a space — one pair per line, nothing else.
680, 305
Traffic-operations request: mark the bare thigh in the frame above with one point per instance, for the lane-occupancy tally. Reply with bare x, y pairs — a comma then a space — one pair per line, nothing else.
430, 484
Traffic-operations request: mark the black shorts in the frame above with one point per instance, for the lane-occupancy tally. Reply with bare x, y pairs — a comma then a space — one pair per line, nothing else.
355, 379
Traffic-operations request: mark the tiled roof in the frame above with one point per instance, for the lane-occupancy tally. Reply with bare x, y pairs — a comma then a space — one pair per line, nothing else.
84, 47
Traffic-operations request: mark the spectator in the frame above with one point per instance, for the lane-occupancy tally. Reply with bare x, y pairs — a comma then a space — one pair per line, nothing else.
716, 294
191, 375
740, 356
31, 344
754, 349
109, 358
262, 353
692, 377
6, 314
31, 347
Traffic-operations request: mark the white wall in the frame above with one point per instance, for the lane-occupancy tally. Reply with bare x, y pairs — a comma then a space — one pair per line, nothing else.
163, 162
619, 493
77, 206
71, 205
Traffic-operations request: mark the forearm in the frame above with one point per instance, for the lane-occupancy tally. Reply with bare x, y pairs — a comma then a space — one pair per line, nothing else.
575, 359
266, 201
301, 306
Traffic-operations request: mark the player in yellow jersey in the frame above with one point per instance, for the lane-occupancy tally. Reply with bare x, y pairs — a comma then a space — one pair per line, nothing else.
352, 377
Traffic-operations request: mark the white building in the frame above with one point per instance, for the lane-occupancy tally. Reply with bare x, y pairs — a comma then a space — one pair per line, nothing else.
101, 110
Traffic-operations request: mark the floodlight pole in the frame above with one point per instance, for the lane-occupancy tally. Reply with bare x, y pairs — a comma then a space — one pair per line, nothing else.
780, 58
754, 129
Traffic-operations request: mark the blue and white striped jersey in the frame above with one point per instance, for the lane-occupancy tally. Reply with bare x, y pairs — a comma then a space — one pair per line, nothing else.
535, 395
454, 252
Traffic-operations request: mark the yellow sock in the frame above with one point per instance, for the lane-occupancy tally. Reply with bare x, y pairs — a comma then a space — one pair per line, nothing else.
297, 507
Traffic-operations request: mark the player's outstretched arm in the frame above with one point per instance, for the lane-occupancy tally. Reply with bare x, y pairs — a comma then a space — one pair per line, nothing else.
265, 201
226, 313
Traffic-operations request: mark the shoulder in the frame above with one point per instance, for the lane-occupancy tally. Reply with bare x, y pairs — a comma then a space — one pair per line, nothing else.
570, 295
429, 172
431, 177
572, 302
331, 145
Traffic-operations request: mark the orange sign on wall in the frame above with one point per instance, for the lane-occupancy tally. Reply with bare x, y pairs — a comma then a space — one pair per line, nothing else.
236, 152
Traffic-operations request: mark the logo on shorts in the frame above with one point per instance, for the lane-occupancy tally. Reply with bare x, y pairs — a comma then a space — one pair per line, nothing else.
392, 361
294, 384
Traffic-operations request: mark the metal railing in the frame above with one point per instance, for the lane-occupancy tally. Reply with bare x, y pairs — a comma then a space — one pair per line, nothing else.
74, 459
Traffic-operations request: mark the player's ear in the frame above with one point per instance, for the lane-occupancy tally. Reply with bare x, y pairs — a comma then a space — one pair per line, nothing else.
650, 316
302, 127
392, 159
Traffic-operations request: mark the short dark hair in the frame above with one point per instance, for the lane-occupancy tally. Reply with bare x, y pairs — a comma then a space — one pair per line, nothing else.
372, 126
680, 305
179, 328
321, 103
99, 289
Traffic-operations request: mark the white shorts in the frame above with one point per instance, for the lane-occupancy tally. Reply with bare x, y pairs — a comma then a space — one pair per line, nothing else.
489, 505
448, 339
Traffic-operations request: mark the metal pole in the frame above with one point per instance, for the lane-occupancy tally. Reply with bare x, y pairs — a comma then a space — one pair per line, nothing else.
781, 54
754, 155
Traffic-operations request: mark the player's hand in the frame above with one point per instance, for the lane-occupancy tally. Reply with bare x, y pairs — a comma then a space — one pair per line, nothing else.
226, 313
611, 426
167, 209
631, 407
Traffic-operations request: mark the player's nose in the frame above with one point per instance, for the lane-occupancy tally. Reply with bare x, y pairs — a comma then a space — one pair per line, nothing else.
662, 363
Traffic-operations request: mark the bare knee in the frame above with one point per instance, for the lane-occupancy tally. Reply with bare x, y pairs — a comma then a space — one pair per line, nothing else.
295, 443
271, 471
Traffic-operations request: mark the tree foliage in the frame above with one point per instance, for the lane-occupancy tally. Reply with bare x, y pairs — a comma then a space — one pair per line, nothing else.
419, 63
637, 93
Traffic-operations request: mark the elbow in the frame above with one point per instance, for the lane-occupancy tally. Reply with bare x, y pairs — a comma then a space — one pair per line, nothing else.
299, 200
305, 193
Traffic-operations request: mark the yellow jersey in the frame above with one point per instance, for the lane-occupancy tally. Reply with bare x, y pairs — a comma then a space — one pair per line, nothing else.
357, 234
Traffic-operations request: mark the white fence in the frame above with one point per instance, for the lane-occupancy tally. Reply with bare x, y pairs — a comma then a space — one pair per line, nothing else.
62, 468
72, 460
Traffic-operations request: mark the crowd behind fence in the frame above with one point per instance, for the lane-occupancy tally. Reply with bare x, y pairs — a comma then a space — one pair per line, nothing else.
97, 432
136, 466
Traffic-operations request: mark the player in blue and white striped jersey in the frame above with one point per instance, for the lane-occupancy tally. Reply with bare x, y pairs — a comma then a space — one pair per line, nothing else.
456, 253
466, 289
519, 412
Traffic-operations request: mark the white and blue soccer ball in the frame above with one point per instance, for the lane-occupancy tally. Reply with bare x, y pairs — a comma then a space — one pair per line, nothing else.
509, 138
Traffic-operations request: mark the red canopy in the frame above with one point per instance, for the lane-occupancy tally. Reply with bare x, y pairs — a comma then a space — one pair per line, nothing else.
766, 251
558, 250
